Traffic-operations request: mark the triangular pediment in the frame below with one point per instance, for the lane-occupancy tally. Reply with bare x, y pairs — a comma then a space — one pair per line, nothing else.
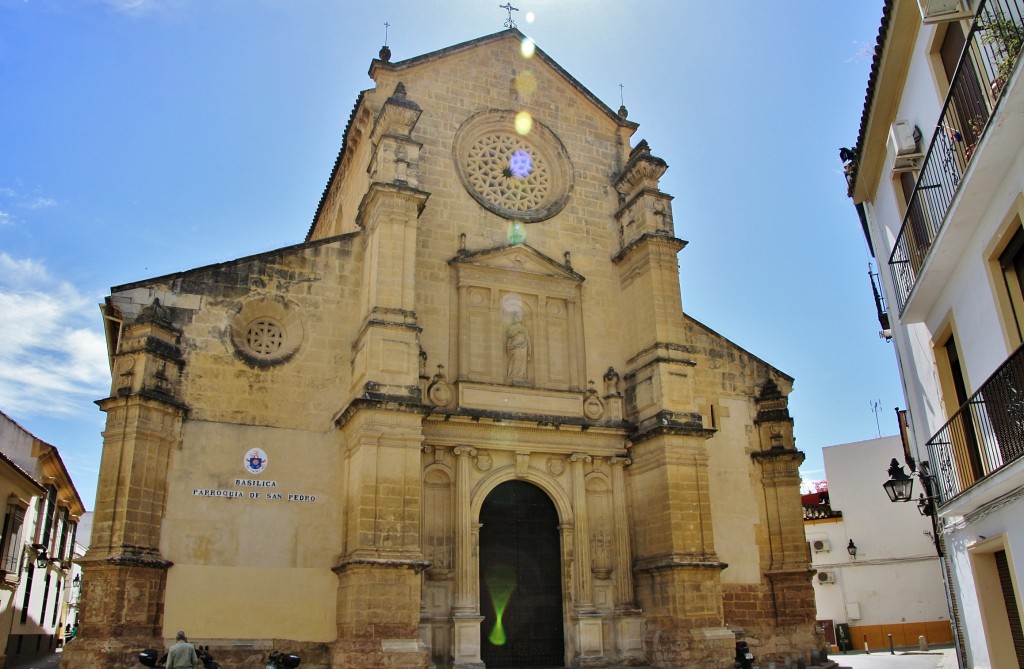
516, 37
516, 258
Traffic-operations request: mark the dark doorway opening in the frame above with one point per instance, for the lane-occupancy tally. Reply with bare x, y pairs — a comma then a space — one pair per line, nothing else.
520, 579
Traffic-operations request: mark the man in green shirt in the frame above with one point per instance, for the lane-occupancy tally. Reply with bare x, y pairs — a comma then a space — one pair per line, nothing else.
182, 654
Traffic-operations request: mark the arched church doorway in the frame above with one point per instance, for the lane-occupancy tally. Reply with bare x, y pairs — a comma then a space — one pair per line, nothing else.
520, 579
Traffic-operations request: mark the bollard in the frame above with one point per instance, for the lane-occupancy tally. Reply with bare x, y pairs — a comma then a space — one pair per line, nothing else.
892, 649
787, 662
922, 643
866, 649
815, 657
800, 664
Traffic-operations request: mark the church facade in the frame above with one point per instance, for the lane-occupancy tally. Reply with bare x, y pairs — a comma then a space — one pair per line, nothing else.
464, 423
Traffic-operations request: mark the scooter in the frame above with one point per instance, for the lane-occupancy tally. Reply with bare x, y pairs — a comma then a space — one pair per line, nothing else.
279, 660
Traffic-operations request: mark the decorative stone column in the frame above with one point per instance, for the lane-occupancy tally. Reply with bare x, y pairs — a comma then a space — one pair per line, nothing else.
581, 537
466, 616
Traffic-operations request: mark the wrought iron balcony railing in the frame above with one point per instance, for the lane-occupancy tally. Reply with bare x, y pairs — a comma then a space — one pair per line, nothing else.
990, 54
985, 434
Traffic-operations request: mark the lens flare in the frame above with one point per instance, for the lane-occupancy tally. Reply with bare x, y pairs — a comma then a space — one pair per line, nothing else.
530, 17
516, 232
520, 164
524, 123
501, 581
525, 83
527, 47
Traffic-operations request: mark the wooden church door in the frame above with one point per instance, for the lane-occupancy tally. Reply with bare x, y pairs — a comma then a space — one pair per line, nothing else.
520, 579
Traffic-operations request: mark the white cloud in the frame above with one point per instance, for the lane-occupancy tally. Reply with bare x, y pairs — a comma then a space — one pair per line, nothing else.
41, 203
23, 200
142, 7
52, 355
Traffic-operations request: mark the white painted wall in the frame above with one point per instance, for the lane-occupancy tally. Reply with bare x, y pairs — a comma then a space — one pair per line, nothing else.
896, 575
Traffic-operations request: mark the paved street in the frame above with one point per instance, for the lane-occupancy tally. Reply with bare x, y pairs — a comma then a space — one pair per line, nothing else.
50, 661
938, 658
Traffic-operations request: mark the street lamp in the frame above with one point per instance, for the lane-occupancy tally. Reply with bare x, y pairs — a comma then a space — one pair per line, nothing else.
900, 488
900, 485
41, 558
851, 548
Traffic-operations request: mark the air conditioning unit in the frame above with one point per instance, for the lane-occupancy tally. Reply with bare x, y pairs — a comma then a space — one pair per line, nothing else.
938, 11
821, 546
903, 143
825, 577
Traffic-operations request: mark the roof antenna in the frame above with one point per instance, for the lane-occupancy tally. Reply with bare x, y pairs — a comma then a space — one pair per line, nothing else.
623, 113
385, 52
875, 408
509, 23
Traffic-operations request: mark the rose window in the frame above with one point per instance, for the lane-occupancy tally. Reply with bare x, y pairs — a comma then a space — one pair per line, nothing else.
508, 173
525, 178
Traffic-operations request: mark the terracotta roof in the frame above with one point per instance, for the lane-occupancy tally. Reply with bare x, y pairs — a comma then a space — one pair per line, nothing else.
869, 95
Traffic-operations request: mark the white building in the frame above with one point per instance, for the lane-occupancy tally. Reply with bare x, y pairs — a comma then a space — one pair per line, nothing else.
937, 176
877, 570
36, 544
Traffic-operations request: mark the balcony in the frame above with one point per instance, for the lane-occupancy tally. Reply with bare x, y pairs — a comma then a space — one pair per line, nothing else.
986, 67
985, 435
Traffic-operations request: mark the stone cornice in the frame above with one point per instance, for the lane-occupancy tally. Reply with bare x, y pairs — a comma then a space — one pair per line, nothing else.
417, 566
677, 561
649, 237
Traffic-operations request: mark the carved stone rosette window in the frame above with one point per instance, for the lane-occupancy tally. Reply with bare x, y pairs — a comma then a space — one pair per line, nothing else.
521, 177
266, 332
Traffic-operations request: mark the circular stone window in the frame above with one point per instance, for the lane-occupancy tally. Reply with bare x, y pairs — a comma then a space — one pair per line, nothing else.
266, 332
521, 177
264, 337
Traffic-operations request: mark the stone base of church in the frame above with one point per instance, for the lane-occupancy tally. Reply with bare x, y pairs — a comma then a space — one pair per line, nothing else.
670, 645
378, 616
369, 651
110, 653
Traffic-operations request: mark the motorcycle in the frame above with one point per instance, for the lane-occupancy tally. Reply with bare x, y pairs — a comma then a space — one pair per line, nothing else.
279, 660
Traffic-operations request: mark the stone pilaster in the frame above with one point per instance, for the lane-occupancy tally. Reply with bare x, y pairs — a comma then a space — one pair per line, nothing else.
123, 577
379, 573
387, 350
788, 596
677, 572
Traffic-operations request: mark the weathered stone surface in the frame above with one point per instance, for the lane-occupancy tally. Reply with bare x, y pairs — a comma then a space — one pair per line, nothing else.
299, 443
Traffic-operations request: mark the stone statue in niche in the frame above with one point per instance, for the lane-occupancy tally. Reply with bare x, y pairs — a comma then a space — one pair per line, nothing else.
518, 348
611, 383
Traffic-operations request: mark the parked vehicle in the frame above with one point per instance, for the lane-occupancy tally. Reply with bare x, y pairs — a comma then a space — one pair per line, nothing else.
279, 660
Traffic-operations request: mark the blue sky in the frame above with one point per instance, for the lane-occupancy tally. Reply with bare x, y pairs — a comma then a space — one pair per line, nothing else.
143, 137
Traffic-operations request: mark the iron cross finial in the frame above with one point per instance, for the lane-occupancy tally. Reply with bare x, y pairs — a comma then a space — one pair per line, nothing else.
386, 26
509, 23
622, 99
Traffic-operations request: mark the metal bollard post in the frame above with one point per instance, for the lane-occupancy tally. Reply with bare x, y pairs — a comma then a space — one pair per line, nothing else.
866, 649
922, 643
892, 649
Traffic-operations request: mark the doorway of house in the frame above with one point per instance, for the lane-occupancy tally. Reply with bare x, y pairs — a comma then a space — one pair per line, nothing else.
520, 579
